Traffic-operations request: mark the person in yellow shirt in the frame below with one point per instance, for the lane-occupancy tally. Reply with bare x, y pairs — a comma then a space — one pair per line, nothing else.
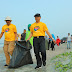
10, 32
38, 30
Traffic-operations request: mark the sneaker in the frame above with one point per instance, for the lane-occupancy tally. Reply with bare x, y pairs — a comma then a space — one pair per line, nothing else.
37, 67
48, 49
44, 63
5, 65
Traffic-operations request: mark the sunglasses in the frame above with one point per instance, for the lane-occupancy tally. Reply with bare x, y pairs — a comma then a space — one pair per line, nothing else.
8, 20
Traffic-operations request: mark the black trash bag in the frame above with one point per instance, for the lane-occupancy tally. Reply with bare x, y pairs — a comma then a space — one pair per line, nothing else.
21, 55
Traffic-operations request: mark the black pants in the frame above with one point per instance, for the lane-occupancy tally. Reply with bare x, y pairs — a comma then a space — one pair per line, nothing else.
52, 45
49, 44
39, 46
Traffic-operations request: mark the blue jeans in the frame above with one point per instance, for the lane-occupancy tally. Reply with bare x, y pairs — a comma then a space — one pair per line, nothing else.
68, 44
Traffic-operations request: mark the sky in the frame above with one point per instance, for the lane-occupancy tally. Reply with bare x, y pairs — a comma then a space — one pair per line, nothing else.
56, 14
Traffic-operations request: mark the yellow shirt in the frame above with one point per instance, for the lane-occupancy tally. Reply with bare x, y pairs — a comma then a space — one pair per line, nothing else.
38, 29
9, 32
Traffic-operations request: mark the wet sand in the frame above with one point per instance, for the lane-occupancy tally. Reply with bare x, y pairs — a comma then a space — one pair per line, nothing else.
30, 68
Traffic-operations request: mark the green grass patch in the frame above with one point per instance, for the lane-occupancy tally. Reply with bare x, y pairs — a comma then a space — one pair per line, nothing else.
63, 62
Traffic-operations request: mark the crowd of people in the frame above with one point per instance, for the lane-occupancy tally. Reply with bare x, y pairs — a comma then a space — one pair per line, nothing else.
51, 43
35, 34
68, 40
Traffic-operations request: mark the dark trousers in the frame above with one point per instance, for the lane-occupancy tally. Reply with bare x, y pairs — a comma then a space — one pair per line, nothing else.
39, 46
52, 45
49, 44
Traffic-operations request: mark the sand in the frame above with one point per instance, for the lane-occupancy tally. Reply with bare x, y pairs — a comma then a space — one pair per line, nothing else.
30, 68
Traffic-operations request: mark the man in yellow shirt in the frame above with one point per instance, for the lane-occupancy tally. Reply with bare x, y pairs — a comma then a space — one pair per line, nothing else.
38, 30
10, 32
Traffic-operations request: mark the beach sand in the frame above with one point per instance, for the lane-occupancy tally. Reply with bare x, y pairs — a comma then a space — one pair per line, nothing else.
30, 68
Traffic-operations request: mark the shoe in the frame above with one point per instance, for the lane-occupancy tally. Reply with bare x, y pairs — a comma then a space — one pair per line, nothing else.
44, 63
5, 65
37, 67
48, 49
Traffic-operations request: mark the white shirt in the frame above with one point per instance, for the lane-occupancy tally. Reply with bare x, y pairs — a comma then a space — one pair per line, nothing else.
69, 38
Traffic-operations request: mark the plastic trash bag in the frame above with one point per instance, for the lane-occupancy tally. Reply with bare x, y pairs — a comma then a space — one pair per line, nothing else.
21, 55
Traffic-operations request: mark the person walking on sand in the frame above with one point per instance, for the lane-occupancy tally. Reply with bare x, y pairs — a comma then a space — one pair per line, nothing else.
71, 38
10, 32
49, 43
58, 41
38, 30
52, 42
68, 41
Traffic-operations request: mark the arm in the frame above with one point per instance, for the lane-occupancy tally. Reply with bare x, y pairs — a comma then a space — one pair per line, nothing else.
16, 36
21, 36
30, 36
15, 32
48, 33
1, 34
46, 30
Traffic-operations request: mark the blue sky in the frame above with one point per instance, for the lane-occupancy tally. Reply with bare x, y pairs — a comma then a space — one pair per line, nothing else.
57, 14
